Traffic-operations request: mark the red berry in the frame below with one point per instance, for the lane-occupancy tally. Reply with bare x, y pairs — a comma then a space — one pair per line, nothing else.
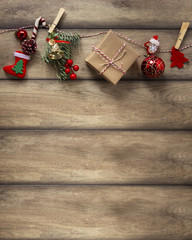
69, 62
75, 67
73, 76
66, 65
67, 70
21, 34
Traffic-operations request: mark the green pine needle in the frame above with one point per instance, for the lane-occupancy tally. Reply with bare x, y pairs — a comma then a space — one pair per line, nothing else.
59, 64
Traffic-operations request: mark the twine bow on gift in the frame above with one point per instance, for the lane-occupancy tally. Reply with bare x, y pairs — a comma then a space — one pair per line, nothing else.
113, 60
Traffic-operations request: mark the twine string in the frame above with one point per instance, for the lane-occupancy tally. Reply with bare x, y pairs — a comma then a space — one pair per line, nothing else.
113, 60
97, 34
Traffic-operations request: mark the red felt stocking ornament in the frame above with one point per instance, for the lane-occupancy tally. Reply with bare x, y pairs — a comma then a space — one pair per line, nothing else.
29, 46
18, 69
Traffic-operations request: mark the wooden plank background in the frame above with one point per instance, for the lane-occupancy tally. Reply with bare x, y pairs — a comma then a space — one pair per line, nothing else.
100, 13
95, 212
85, 159
113, 157
89, 104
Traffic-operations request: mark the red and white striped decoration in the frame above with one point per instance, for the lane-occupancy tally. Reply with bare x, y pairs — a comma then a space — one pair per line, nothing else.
113, 60
38, 21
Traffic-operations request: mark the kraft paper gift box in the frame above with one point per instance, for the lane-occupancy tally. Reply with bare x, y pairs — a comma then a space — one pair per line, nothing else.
112, 57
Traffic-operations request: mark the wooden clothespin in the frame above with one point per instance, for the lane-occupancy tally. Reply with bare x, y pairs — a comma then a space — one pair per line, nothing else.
183, 30
177, 57
54, 24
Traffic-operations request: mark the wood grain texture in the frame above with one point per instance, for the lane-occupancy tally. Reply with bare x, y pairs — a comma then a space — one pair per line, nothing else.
95, 157
82, 212
99, 13
37, 69
95, 105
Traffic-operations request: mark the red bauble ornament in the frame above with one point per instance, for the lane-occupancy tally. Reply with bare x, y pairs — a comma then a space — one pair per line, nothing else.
75, 67
73, 76
152, 66
67, 70
69, 62
21, 34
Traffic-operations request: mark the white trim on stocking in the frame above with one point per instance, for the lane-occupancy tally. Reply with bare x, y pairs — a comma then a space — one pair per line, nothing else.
22, 55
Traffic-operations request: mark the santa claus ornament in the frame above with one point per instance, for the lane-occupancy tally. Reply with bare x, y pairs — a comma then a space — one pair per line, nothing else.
152, 66
152, 45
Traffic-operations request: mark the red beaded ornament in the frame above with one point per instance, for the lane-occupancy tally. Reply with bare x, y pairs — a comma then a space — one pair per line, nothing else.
21, 34
152, 66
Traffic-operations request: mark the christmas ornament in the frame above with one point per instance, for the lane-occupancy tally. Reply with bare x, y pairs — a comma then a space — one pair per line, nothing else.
69, 68
21, 34
152, 66
177, 57
58, 50
59, 47
152, 45
28, 46
18, 69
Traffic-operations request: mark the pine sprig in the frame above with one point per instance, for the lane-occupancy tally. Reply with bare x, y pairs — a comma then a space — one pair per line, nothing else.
59, 64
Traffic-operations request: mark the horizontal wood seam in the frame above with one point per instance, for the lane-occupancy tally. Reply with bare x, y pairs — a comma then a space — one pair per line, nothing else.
93, 130
98, 184
95, 28
102, 80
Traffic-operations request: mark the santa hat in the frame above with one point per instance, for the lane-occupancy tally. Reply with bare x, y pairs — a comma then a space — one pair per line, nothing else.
155, 41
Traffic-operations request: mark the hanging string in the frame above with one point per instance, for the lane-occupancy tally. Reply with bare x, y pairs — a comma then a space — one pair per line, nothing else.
16, 29
97, 34
20, 28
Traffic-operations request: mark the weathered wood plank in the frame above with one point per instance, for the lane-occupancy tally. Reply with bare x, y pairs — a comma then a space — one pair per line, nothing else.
95, 105
81, 212
99, 13
37, 69
101, 157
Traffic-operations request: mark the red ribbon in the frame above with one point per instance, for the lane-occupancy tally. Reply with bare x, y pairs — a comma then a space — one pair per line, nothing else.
57, 41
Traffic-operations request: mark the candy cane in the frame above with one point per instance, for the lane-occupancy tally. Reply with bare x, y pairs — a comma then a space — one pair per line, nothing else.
36, 26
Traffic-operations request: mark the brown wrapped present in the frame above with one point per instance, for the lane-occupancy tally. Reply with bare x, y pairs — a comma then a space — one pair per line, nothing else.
112, 57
